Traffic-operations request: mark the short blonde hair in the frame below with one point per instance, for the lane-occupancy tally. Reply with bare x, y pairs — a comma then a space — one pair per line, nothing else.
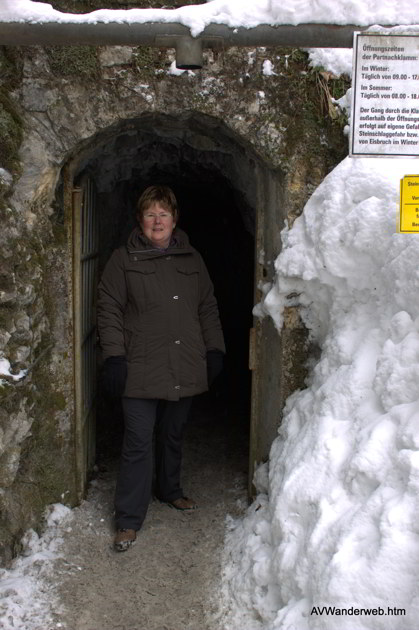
162, 195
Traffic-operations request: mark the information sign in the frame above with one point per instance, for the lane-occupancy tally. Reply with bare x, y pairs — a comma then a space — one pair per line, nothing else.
385, 96
409, 203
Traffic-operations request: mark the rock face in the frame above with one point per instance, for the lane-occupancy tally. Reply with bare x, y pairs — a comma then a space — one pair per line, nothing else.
127, 117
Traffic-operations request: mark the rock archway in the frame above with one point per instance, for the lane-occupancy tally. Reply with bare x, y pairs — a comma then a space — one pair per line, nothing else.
246, 148
219, 182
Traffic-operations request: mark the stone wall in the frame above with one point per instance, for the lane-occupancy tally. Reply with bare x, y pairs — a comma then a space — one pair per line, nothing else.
58, 103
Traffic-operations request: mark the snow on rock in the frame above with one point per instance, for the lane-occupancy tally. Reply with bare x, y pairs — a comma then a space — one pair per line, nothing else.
175, 71
6, 178
26, 594
268, 68
336, 524
338, 61
5, 371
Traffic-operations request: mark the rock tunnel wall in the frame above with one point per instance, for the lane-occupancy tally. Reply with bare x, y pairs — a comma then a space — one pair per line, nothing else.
82, 107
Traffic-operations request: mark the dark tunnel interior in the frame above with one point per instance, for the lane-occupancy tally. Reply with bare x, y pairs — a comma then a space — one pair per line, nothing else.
219, 223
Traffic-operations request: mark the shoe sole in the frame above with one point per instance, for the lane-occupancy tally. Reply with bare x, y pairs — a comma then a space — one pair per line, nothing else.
124, 546
170, 505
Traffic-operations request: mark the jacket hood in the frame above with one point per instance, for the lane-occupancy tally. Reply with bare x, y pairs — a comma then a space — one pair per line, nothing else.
140, 244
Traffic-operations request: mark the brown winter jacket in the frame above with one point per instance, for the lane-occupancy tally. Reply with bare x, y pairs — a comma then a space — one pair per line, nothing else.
157, 308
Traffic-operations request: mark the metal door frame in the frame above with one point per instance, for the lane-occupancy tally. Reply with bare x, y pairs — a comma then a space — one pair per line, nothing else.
85, 240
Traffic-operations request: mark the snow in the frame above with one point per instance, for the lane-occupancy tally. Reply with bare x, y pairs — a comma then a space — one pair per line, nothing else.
5, 371
268, 68
335, 521
233, 13
337, 518
5, 177
337, 60
175, 71
26, 597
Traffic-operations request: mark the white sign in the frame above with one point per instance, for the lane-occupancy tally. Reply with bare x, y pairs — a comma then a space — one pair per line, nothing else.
385, 96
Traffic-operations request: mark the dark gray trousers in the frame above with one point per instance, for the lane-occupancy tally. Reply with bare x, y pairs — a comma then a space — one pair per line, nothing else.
134, 484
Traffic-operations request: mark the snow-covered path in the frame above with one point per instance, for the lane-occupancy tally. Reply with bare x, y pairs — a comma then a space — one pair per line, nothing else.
170, 579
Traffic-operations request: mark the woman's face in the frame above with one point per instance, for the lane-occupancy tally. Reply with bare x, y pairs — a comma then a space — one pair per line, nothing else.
157, 224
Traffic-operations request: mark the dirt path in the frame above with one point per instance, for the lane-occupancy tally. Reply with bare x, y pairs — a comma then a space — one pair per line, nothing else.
168, 579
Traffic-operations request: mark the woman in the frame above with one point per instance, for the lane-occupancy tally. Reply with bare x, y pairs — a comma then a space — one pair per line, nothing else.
162, 343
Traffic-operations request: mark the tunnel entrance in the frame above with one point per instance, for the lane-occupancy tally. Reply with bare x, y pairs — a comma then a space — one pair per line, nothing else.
210, 213
222, 189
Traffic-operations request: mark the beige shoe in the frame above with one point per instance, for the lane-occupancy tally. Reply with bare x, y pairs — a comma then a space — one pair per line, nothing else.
124, 539
183, 504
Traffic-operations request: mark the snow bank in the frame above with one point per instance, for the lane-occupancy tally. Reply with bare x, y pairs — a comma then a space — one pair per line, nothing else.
26, 593
336, 521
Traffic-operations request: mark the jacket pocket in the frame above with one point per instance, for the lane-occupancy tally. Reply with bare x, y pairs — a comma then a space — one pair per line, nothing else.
186, 270
188, 282
136, 347
128, 341
141, 283
144, 267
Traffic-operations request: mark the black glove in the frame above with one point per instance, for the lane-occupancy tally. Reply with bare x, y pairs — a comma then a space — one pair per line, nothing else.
215, 361
114, 376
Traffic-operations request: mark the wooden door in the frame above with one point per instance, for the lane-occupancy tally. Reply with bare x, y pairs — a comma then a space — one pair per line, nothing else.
265, 351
